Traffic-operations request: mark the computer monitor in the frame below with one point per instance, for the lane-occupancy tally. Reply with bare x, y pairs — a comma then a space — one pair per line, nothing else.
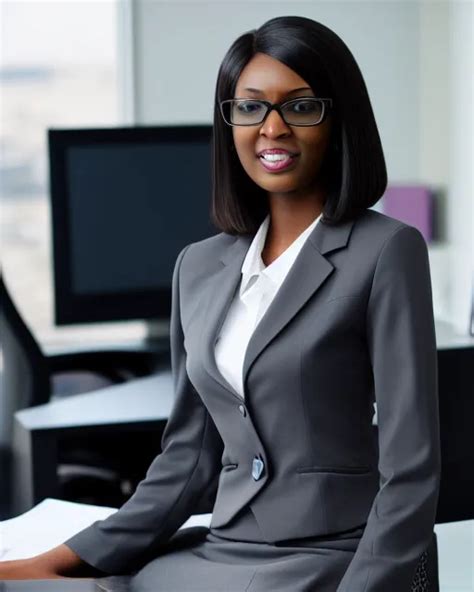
124, 202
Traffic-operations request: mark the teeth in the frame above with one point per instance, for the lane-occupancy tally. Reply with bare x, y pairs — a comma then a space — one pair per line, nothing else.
275, 157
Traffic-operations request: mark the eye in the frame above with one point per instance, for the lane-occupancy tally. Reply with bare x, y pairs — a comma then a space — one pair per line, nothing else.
249, 106
304, 106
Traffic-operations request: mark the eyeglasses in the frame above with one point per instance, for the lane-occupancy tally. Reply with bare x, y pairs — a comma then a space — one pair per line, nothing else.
303, 111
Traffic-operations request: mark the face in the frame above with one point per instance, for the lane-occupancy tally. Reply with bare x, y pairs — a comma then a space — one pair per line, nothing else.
275, 81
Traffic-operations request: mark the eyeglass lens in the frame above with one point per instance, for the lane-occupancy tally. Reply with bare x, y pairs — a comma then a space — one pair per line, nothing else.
248, 112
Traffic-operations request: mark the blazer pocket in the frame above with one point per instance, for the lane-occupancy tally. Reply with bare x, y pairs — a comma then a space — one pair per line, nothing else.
346, 470
230, 466
332, 486
343, 296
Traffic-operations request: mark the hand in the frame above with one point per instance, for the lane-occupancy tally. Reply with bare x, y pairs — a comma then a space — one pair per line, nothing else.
58, 563
27, 569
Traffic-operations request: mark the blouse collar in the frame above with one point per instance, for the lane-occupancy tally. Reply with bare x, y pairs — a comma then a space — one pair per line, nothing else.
277, 270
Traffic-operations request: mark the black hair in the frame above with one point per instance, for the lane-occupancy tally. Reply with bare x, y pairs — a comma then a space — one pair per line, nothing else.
354, 168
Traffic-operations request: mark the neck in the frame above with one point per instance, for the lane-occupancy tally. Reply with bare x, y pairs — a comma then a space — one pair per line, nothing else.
289, 218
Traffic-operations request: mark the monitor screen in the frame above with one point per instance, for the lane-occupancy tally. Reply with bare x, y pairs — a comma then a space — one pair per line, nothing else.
124, 202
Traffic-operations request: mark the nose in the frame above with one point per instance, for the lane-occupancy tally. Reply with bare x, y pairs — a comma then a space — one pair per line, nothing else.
274, 125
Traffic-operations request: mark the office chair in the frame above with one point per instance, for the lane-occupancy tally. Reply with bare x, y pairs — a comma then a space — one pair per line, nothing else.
91, 473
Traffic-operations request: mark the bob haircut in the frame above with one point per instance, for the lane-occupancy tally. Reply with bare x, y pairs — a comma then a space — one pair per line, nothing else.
353, 172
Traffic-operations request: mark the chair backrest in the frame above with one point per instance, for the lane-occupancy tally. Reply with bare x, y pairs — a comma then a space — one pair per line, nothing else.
25, 375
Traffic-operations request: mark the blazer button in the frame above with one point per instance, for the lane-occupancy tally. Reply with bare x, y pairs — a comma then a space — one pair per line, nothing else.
242, 410
257, 468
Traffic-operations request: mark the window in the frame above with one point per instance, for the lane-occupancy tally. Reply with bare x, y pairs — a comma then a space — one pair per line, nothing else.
59, 68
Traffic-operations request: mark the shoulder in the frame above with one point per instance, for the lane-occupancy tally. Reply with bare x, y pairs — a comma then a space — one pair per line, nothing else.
197, 258
376, 230
207, 248
378, 241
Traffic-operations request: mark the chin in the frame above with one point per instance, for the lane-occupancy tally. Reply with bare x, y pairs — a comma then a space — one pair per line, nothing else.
277, 183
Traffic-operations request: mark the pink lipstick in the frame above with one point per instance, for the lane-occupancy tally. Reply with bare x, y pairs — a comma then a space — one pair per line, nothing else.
280, 164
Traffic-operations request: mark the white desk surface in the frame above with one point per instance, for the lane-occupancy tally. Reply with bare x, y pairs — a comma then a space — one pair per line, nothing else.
142, 399
456, 556
24, 536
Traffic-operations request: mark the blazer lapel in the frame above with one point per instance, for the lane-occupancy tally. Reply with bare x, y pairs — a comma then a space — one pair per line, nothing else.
307, 274
218, 297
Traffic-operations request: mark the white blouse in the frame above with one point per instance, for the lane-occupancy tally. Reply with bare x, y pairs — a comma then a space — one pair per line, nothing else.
258, 287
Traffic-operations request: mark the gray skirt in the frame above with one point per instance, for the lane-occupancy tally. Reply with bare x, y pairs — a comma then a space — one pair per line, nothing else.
235, 558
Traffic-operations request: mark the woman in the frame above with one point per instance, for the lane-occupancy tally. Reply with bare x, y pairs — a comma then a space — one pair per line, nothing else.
286, 328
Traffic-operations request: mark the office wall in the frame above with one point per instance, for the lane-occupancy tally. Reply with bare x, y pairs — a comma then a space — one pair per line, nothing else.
179, 47
460, 137
408, 52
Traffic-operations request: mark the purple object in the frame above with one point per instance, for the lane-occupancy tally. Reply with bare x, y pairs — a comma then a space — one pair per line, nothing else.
412, 204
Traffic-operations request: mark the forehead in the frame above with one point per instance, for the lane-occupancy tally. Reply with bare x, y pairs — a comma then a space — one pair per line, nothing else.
269, 76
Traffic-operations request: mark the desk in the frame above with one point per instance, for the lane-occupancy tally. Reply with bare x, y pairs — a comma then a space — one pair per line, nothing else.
456, 556
456, 410
143, 404
455, 560
448, 338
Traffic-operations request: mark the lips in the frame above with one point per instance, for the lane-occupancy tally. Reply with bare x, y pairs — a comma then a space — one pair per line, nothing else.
281, 164
276, 151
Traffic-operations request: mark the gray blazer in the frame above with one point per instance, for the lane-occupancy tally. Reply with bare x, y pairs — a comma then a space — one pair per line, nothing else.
352, 324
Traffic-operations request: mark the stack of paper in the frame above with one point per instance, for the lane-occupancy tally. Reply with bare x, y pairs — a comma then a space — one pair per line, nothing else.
52, 522
45, 526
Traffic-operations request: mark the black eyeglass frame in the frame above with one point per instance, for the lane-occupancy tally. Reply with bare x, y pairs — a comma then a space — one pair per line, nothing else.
278, 107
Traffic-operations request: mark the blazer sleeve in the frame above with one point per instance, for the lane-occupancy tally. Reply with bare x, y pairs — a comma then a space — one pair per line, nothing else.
402, 347
184, 472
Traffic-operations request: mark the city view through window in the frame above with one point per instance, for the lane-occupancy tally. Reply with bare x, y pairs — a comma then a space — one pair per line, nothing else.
58, 68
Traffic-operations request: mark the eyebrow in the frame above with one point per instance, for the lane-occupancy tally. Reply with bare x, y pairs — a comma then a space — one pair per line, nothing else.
258, 91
